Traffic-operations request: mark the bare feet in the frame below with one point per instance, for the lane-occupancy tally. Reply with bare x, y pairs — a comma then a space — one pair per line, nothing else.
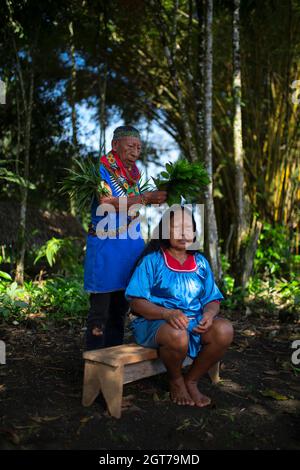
96, 331
200, 400
179, 393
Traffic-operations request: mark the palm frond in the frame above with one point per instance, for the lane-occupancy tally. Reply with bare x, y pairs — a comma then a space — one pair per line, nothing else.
83, 182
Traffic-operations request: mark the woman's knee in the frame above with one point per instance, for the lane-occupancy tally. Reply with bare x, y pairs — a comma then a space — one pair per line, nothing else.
174, 339
222, 332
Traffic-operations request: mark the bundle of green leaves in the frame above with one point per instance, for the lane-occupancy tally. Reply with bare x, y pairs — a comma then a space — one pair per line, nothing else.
182, 178
83, 182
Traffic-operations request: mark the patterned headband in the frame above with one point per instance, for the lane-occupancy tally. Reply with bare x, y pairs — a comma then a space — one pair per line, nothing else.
126, 131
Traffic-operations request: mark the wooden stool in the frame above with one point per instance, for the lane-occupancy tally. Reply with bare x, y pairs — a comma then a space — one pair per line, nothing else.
108, 369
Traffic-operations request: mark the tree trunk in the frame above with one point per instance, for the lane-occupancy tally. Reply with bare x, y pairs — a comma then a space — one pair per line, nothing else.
170, 54
246, 237
237, 131
73, 106
102, 79
211, 230
19, 275
199, 82
249, 252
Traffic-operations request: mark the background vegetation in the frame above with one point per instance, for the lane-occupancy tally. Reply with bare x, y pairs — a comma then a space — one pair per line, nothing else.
150, 62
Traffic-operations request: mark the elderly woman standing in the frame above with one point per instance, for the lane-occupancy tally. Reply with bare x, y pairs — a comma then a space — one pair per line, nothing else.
176, 302
111, 254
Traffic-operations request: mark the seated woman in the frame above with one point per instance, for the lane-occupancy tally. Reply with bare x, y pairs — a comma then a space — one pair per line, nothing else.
175, 299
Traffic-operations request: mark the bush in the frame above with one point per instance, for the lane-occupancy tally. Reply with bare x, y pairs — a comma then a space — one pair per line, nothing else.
59, 299
273, 257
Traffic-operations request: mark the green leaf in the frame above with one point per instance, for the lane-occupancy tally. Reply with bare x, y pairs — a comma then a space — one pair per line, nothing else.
182, 178
5, 276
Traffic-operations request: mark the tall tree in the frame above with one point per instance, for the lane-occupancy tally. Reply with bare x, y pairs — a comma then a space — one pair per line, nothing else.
73, 80
169, 42
211, 230
238, 149
26, 86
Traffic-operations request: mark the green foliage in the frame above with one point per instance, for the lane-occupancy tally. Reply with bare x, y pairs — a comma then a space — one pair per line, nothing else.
5, 275
182, 179
272, 289
83, 182
146, 186
290, 290
62, 297
64, 252
273, 256
11, 177
59, 299
233, 296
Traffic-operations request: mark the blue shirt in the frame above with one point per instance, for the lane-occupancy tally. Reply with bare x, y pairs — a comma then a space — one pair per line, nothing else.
109, 261
160, 279
187, 290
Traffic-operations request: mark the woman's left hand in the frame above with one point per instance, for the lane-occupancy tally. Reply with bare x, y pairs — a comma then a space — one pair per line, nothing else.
204, 325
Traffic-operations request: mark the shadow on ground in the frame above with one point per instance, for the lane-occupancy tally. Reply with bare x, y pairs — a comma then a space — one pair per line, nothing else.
256, 406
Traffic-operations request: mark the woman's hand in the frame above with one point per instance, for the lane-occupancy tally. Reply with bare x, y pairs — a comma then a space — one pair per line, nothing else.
155, 197
176, 318
204, 325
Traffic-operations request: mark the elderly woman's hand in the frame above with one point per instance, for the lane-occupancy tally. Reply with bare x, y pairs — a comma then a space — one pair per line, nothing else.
204, 325
176, 318
155, 197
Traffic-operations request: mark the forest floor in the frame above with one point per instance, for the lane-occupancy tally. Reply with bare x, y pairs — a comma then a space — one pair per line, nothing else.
255, 406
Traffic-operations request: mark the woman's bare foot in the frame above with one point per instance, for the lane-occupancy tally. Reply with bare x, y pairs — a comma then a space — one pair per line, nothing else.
199, 399
179, 393
96, 331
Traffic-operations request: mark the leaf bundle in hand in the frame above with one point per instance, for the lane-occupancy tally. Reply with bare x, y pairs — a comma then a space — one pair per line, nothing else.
83, 182
182, 178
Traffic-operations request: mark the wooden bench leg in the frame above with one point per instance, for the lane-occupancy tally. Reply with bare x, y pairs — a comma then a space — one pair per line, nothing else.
105, 378
111, 379
214, 373
91, 382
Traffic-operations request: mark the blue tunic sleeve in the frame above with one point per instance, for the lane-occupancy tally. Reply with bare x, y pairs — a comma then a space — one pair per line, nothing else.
211, 290
104, 174
142, 279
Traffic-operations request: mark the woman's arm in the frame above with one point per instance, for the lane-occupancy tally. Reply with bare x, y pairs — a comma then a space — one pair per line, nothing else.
151, 311
211, 309
148, 197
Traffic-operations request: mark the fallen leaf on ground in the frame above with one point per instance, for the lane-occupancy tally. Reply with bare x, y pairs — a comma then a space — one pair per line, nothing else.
273, 394
249, 333
86, 419
44, 419
272, 372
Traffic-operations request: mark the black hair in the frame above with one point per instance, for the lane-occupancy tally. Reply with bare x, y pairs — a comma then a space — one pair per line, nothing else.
155, 244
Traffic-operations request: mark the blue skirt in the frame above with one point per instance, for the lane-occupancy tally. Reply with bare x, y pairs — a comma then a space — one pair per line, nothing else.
144, 332
109, 263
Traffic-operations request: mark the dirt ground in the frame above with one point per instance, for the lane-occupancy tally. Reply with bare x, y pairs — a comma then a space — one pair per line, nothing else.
256, 405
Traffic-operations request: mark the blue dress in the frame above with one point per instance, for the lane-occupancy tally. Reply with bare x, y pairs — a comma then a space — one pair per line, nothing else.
162, 280
109, 261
